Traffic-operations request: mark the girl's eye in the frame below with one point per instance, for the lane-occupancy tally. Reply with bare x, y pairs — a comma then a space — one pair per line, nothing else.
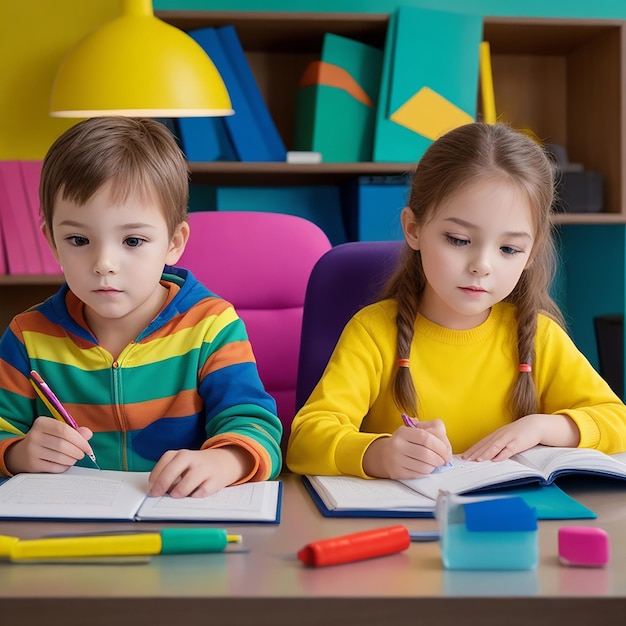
455, 241
133, 242
509, 250
78, 241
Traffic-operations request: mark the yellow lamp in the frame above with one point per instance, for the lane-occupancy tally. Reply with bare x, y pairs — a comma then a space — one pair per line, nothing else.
139, 66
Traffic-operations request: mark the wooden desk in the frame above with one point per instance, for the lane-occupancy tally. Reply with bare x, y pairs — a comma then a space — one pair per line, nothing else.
268, 585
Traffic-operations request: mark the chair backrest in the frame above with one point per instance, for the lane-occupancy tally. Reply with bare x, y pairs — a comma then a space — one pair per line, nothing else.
260, 263
345, 279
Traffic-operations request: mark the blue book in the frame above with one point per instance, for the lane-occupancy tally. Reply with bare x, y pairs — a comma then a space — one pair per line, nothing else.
549, 501
206, 139
244, 131
233, 49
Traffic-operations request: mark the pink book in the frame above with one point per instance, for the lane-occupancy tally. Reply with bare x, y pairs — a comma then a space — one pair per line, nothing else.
3, 257
31, 174
15, 220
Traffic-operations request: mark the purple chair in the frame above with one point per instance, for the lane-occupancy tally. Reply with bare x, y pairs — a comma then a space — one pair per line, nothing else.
260, 263
345, 279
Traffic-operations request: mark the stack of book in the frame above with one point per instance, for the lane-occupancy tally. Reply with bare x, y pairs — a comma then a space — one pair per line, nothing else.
248, 135
23, 245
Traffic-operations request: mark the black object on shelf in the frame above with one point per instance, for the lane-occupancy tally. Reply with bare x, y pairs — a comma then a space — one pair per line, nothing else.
610, 340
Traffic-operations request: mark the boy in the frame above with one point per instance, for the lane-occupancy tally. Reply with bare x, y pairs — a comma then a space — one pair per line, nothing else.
157, 370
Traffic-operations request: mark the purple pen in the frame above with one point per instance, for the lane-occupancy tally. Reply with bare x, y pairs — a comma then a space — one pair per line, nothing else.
410, 422
54, 404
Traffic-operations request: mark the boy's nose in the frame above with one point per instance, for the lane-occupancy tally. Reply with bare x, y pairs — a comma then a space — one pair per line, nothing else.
105, 264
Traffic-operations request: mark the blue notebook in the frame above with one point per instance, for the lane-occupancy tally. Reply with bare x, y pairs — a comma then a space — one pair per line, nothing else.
549, 501
243, 128
241, 68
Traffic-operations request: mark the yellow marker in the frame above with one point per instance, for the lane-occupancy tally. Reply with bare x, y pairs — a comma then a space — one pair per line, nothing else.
166, 541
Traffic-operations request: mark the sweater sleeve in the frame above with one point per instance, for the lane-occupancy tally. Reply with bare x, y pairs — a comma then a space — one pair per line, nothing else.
238, 410
325, 436
569, 385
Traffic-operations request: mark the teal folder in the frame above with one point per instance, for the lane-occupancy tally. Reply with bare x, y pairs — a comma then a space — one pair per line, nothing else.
430, 67
337, 118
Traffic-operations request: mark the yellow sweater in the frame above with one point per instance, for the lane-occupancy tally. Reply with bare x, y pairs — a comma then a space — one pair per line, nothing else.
462, 377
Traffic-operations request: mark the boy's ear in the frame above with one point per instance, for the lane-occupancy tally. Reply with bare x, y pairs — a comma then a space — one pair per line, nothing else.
177, 244
410, 228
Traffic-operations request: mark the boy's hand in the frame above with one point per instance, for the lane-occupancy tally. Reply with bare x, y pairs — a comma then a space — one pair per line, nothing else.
523, 434
199, 473
409, 452
49, 446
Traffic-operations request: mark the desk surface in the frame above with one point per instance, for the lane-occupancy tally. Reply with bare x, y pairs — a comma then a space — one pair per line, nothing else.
266, 584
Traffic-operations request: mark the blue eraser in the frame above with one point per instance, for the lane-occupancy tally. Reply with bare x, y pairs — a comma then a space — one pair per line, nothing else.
487, 533
499, 515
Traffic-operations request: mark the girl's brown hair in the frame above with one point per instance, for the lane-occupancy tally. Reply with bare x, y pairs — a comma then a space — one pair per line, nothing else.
462, 157
137, 155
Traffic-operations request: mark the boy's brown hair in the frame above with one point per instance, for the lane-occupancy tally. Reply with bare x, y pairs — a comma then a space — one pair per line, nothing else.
139, 156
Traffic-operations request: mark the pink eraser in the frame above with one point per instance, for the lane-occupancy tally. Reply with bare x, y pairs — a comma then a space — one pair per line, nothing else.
583, 545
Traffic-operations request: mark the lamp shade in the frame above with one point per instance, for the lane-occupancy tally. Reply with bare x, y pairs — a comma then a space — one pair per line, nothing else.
137, 65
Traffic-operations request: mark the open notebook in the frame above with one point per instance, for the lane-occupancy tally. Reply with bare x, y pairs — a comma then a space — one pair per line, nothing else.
537, 469
89, 494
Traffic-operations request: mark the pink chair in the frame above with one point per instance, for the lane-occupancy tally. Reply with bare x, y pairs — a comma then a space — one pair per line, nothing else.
260, 262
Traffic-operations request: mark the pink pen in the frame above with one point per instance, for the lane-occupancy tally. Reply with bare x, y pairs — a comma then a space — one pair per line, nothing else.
410, 422
54, 404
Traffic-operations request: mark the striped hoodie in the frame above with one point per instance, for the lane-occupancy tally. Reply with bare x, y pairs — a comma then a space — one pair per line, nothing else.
188, 381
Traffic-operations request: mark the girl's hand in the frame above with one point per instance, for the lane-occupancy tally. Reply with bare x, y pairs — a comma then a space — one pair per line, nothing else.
409, 452
523, 434
199, 473
49, 446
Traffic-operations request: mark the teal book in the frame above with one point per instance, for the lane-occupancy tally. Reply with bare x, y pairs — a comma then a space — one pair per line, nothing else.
345, 80
429, 81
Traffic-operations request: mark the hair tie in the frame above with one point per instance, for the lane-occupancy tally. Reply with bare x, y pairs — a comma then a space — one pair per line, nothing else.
403, 362
527, 368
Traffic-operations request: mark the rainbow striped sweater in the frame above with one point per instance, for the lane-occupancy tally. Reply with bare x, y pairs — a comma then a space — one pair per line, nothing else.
188, 381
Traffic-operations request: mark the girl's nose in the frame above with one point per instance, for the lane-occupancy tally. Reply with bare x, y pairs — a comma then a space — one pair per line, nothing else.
481, 265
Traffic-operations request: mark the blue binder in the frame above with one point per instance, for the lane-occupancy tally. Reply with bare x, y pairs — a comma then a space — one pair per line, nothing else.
244, 131
234, 51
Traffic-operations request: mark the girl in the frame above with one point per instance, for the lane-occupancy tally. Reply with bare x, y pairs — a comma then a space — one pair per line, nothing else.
466, 339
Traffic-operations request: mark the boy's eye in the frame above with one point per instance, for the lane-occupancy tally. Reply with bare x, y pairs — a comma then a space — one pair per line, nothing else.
78, 241
133, 242
455, 241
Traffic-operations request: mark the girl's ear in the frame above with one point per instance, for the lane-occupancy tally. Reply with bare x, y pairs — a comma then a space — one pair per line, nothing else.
177, 244
410, 228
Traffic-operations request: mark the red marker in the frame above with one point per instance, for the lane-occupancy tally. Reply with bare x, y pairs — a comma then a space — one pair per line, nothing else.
356, 547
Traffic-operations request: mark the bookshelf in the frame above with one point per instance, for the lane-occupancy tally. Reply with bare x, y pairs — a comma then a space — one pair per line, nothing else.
564, 78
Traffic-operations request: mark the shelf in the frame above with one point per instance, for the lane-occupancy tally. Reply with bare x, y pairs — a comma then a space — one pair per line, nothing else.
237, 173
562, 78
31, 279
286, 31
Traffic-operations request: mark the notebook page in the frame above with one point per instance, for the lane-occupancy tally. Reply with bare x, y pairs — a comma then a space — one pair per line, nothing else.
351, 493
549, 459
254, 501
79, 493
465, 476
